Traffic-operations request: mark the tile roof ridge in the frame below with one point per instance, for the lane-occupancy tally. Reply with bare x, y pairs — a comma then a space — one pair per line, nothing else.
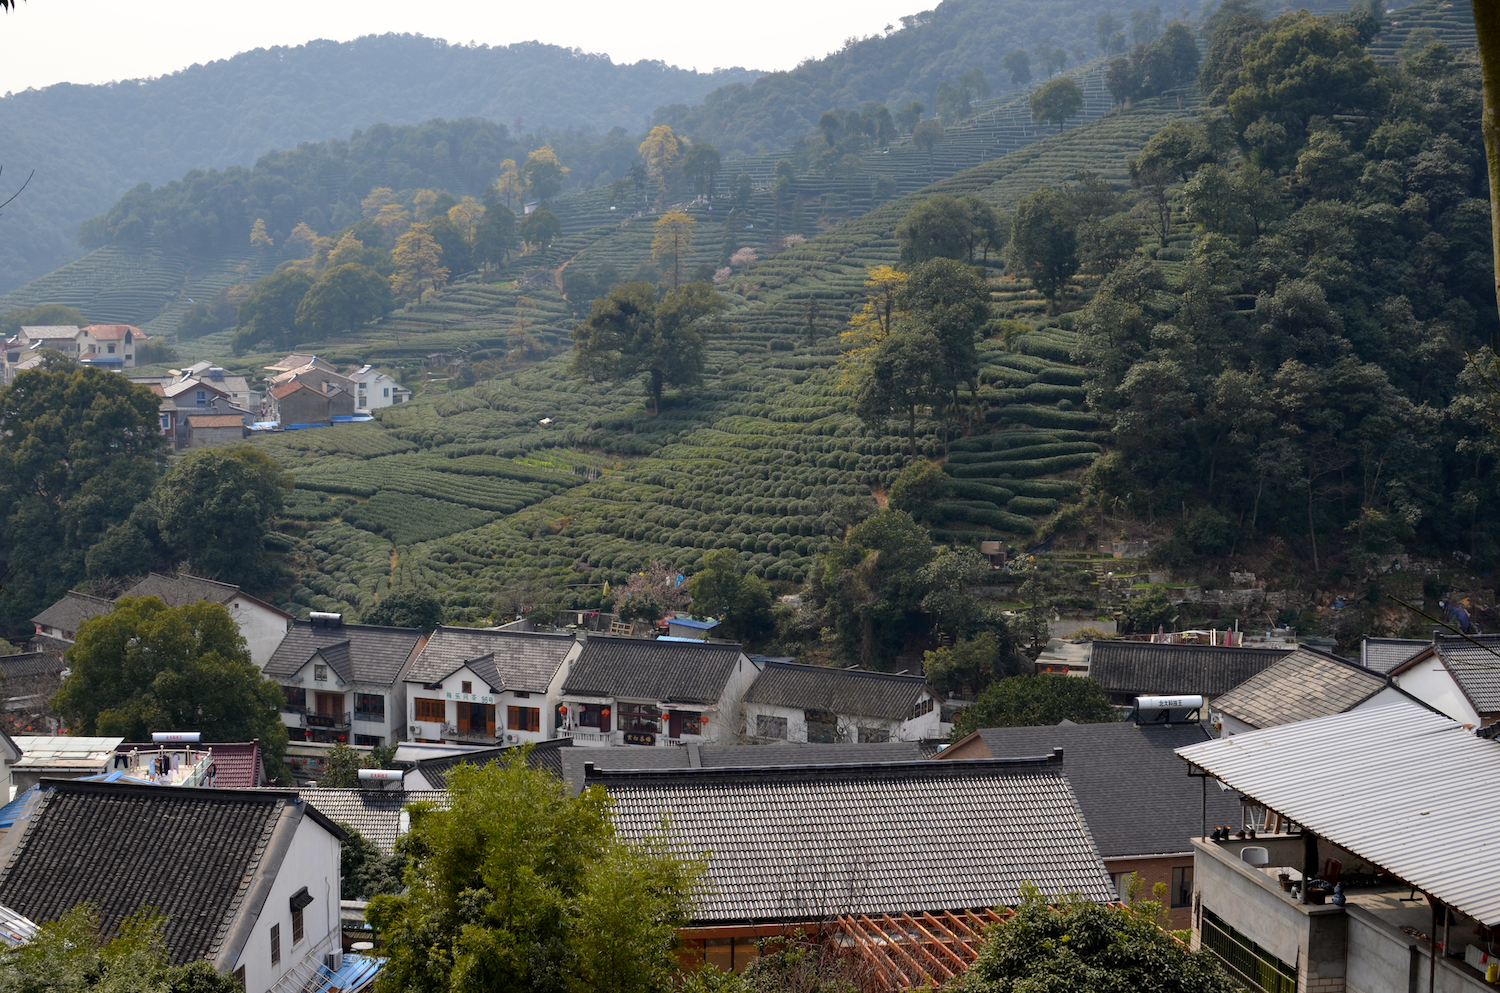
845, 670
925, 767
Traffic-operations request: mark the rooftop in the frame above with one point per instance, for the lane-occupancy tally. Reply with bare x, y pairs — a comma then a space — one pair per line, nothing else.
357, 653
65, 752
376, 814
1474, 667
1135, 794
121, 848
287, 389
297, 360
1384, 654
805, 843
216, 420
72, 610
1305, 684
878, 695
1137, 668
511, 660
112, 332
779, 755
636, 669
29, 664
39, 332
182, 589
1394, 785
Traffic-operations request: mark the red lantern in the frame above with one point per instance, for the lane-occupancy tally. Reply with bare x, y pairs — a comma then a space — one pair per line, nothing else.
666, 716
604, 712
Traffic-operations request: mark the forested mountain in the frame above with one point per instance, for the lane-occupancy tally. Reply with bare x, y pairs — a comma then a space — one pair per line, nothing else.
90, 144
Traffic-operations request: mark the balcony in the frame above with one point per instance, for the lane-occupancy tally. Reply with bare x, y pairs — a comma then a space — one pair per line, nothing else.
318, 719
369, 717
452, 733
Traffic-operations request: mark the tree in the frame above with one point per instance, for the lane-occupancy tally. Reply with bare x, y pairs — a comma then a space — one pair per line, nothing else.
495, 235
419, 265
406, 608
509, 186
147, 667
344, 297
540, 229
872, 323
543, 173
259, 240
870, 582
216, 507
967, 669
903, 375
1105, 29
1123, 80
673, 239
1018, 65
1487, 30
925, 136
465, 216
270, 311
949, 579
939, 226
917, 487
631, 332
364, 870
1088, 948
79, 448
452, 245
954, 306
907, 117
1043, 245
660, 150
701, 165
41, 315
1030, 701
519, 884
1056, 101
72, 955
721, 589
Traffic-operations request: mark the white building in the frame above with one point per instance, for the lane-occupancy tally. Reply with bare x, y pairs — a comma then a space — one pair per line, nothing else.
373, 388
261, 625
247, 879
630, 691
1457, 676
488, 686
343, 683
1307, 683
791, 702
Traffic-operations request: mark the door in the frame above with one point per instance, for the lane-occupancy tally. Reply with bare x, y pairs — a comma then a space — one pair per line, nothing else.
329, 703
674, 725
489, 717
463, 717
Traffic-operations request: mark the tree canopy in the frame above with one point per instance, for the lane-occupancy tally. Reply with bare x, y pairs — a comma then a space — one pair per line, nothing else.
520, 886
722, 590
216, 507
406, 608
147, 667
632, 332
1029, 701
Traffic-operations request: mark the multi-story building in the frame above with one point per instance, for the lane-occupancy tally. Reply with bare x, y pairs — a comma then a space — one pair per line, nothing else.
791, 702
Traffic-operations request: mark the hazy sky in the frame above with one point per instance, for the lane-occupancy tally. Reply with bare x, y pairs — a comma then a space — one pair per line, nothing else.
94, 41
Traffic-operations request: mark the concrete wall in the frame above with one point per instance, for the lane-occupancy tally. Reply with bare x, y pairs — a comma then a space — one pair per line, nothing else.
1155, 870
262, 629
311, 861
1431, 683
1385, 960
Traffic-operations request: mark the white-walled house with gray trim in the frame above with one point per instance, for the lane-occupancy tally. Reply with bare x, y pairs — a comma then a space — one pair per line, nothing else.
488, 686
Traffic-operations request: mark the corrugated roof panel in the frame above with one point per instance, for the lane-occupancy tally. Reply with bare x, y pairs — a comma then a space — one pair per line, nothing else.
1399, 786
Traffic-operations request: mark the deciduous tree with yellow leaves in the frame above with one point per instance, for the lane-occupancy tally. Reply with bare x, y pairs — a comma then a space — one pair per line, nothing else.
377, 198
465, 216
674, 238
509, 186
872, 324
543, 173
660, 150
393, 220
259, 239
419, 265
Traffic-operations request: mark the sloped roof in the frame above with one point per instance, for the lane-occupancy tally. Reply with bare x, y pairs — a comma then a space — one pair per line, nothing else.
883, 696
30, 664
544, 755
190, 853
692, 756
367, 653
297, 360
1475, 668
376, 814
237, 765
1306, 684
515, 660
216, 421
1142, 668
803, 843
72, 610
177, 389
113, 332
39, 332
1384, 654
1134, 791
183, 588
287, 389
637, 669
1394, 785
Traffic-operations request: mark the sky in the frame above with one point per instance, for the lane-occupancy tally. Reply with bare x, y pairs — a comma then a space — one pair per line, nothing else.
96, 41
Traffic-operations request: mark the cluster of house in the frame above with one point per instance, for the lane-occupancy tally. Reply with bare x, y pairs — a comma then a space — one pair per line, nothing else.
108, 346
1302, 814
305, 391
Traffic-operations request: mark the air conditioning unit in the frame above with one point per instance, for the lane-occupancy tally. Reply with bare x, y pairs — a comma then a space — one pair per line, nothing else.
414, 729
334, 960
510, 737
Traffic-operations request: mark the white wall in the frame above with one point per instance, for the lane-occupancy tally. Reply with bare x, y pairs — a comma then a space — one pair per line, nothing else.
721, 724
262, 629
1431, 683
311, 861
927, 725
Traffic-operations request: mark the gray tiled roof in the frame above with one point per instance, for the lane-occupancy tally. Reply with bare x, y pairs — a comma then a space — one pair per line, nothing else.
1475, 669
182, 589
1384, 654
367, 653
190, 853
666, 671
799, 844
1141, 668
855, 692
1135, 792
376, 814
545, 755
1306, 684
72, 610
523, 661
778, 755
29, 664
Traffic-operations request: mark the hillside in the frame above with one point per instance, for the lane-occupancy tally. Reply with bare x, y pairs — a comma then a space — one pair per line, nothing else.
89, 144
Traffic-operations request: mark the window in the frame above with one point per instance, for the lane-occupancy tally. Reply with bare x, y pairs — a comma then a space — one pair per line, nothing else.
1121, 883
275, 944
430, 710
164, 419
370, 706
387, 391
689, 722
822, 726
320, 673
297, 932
921, 707
239, 976
588, 715
772, 728
521, 696
870, 736
1182, 886
296, 699
468, 687
202, 396
640, 717
373, 740
111, 349
523, 718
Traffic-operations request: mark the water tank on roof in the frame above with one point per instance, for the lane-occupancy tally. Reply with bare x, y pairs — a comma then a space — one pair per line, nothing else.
323, 619
1167, 709
380, 775
216, 373
175, 737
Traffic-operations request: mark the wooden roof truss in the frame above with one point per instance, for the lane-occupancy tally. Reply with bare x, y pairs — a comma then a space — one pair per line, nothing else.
898, 952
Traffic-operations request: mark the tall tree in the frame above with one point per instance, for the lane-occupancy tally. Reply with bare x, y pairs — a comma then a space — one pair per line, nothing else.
269, 313
540, 229
495, 235
344, 297
870, 581
904, 374
701, 166
147, 667
672, 240
630, 332
543, 174
722, 589
79, 448
216, 509
1018, 65
660, 150
520, 886
419, 265
953, 303
935, 227
510, 187
872, 323
1043, 245
1056, 101
925, 136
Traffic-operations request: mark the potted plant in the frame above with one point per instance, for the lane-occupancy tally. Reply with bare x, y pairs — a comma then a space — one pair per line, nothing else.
1285, 879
